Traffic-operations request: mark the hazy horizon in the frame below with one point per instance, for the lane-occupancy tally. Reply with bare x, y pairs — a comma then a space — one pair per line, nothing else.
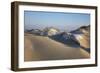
63, 21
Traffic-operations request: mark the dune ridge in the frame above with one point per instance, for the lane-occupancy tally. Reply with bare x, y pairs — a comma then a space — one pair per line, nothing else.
39, 48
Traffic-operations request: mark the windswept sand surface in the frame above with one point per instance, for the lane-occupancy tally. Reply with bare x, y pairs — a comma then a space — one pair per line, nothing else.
43, 48
83, 40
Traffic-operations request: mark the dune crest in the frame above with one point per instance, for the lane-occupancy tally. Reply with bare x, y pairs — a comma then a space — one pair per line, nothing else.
39, 48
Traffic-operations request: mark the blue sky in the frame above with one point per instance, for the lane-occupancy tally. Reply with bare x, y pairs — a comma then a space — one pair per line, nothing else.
63, 21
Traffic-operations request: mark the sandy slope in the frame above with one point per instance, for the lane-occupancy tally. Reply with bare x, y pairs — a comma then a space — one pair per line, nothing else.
83, 40
44, 48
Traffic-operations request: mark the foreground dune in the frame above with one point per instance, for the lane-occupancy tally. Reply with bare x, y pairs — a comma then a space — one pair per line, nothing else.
43, 48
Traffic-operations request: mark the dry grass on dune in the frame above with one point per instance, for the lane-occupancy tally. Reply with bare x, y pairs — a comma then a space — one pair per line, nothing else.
44, 48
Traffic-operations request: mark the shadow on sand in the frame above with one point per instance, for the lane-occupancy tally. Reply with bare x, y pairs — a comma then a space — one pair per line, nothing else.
69, 42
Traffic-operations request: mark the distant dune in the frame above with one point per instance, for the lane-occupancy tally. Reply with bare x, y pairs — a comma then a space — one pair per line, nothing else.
43, 48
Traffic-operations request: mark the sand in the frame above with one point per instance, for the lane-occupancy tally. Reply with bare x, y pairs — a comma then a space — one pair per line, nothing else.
84, 40
43, 48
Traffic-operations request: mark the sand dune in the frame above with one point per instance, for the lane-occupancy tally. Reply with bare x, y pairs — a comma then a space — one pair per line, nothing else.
44, 48
83, 40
